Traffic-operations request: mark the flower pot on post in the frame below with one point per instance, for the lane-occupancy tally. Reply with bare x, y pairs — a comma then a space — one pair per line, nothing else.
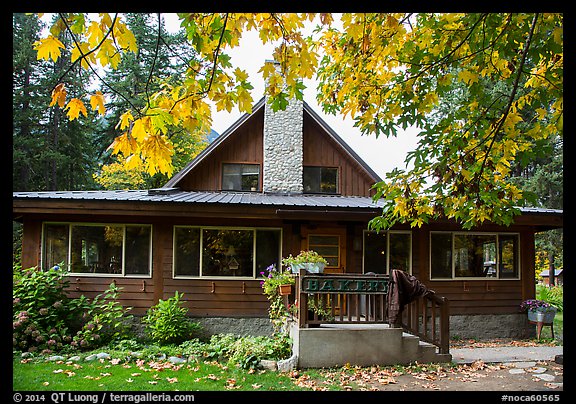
310, 260
285, 290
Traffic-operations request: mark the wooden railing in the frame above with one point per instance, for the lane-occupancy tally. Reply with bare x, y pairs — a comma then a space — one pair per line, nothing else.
428, 317
362, 299
339, 298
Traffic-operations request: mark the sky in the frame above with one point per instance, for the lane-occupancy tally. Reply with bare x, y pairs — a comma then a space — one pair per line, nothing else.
381, 154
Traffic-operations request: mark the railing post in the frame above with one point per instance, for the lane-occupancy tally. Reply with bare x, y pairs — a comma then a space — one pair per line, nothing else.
444, 326
302, 302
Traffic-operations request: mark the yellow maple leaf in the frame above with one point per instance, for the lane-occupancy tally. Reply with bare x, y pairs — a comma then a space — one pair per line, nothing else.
97, 102
468, 77
58, 95
141, 129
74, 107
125, 120
48, 48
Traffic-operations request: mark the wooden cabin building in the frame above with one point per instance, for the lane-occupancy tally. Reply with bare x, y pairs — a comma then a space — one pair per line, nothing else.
273, 184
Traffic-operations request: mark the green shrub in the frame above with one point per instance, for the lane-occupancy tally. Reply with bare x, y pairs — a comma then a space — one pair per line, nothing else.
46, 320
553, 295
247, 352
106, 320
167, 323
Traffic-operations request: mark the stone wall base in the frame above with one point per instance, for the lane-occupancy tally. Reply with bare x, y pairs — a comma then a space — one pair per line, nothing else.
490, 326
243, 326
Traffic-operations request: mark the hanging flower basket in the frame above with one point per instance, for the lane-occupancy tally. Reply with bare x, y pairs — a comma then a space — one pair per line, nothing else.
285, 289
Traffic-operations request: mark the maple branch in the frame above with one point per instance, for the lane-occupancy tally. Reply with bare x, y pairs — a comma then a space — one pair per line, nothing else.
216, 54
156, 51
83, 56
502, 119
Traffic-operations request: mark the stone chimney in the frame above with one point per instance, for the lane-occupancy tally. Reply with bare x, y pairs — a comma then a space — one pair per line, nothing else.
283, 148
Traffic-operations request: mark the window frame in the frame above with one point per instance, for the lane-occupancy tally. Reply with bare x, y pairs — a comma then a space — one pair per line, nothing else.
94, 224
201, 247
241, 163
337, 192
518, 253
387, 233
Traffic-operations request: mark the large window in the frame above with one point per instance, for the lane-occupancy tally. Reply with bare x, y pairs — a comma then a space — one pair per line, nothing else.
224, 252
385, 251
240, 177
112, 249
474, 255
321, 180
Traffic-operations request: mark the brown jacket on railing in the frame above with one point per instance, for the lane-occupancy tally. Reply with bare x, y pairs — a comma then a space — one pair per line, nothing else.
403, 289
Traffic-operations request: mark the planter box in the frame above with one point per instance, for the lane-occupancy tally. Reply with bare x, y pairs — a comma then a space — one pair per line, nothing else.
311, 267
538, 316
285, 290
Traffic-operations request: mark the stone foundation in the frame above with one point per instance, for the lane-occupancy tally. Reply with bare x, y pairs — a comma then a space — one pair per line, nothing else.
490, 326
243, 326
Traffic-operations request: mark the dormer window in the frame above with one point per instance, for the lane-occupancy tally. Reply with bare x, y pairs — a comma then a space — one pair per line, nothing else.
321, 180
240, 177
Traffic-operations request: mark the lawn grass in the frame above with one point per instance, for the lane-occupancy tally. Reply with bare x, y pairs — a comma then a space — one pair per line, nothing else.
546, 334
129, 377
100, 375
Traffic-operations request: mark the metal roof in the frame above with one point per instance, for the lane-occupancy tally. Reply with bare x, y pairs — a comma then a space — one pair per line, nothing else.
174, 195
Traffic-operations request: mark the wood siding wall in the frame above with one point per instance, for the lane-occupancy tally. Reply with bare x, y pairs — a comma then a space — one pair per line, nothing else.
246, 146
321, 150
244, 298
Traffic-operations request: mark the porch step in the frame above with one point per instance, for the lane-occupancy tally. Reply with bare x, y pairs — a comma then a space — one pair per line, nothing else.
333, 345
423, 352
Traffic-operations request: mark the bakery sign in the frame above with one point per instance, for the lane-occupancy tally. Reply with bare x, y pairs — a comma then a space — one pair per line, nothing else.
348, 285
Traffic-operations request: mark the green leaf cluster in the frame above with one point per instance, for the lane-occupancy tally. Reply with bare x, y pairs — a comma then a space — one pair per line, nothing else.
167, 322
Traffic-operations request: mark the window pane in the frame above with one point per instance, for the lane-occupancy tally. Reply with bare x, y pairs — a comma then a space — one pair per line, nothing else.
508, 251
329, 180
327, 246
311, 179
137, 250
400, 246
267, 249
55, 245
375, 252
474, 255
240, 177
187, 251
441, 255
227, 253
320, 180
97, 249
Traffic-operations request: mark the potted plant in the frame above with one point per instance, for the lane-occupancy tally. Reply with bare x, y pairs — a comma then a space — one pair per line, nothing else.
539, 311
309, 260
273, 282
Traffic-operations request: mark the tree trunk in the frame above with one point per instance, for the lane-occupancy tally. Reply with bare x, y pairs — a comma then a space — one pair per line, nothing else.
551, 270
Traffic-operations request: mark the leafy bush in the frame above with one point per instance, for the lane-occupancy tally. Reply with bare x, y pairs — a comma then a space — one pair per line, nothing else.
167, 323
106, 320
247, 352
45, 319
553, 296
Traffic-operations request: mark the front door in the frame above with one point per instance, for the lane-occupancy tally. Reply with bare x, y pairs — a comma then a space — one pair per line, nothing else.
330, 243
